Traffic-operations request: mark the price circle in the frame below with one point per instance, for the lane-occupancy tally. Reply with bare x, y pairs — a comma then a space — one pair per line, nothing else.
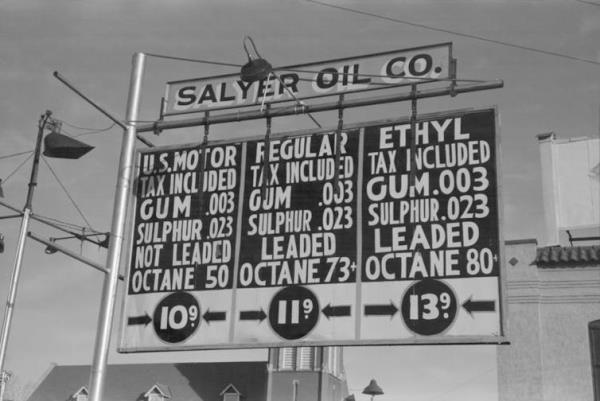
176, 317
294, 312
428, 307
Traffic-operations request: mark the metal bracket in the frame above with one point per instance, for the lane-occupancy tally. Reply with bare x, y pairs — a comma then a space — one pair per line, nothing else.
338, 149
266, 161
453, 64
203, 157
413, 133
161, 117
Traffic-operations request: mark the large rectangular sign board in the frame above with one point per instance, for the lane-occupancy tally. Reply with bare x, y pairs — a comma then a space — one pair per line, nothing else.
392, 256
313, 80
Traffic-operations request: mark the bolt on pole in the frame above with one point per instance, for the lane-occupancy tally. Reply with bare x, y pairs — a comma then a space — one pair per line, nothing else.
124, 181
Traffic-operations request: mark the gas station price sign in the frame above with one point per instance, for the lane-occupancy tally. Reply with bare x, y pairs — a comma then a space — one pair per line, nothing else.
261, 244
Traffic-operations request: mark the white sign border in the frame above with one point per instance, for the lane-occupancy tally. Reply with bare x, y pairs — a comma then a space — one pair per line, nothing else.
501, 338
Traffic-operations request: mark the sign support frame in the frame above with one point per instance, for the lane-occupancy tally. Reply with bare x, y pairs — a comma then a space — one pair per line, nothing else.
498, 338
124, 179
163, 125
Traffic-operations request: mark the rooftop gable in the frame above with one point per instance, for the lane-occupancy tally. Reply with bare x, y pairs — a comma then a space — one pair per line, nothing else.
160, 389
230, 389
82, 391
189, 381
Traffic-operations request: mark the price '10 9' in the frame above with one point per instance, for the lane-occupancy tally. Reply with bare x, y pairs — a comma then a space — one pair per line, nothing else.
177, 316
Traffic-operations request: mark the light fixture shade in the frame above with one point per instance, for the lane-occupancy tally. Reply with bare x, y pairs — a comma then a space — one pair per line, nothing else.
373, 388
64, 147
105, 242
255, 70
50, 250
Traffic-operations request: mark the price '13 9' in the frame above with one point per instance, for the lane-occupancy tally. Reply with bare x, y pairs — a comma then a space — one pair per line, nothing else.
428, 307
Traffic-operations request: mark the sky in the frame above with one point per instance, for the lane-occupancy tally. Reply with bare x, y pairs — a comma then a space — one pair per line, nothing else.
91, 43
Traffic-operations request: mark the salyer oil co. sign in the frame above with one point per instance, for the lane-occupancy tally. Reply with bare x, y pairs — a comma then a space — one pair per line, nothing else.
312, 80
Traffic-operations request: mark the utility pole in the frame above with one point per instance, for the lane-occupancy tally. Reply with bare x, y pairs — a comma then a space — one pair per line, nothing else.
68, 148
16, 272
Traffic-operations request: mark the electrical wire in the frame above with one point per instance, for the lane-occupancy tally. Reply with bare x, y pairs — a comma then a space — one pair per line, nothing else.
465, 35
67, 193
192, 60
588, 2
66, 225
408, 81
17, 169
96, 131
15, 154
300, 70
89, 130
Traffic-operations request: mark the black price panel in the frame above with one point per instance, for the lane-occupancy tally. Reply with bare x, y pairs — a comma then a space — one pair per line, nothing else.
430, 212
184, 233
299, 228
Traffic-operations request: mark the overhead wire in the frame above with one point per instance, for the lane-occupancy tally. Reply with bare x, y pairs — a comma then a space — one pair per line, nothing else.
465, 35
192, 60
15, 154
408, 81
17, 169
201, 61
67, 192
66, 225
98, 131
89, 130
588, 2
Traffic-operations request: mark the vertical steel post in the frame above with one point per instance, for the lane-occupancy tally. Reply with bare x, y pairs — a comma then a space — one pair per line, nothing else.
413, 134
266, 158
16, 272
124, 180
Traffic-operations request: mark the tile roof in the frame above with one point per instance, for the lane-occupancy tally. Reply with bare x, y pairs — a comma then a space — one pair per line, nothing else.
186, 381
572, 256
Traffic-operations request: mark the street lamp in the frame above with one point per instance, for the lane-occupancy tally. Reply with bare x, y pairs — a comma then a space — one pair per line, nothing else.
372, 389
257, 68
56, 145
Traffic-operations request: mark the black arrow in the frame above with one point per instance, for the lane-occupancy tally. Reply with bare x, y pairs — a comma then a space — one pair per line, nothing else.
340, 310
381, 310
139, 320
253, 315
213, 316
479, 306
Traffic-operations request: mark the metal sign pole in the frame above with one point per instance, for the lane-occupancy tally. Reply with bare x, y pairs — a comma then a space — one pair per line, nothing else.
109, 290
